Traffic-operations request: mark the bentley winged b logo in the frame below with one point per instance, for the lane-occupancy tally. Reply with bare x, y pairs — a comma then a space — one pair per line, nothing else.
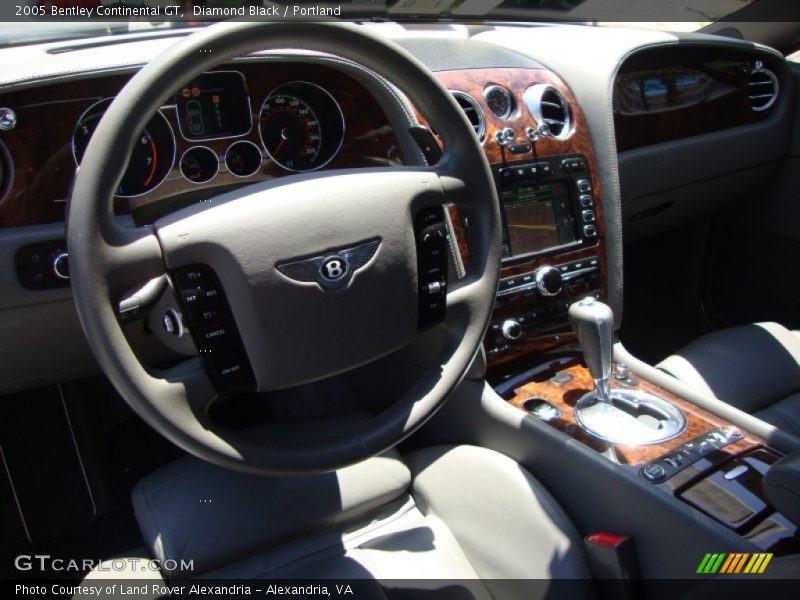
332, 270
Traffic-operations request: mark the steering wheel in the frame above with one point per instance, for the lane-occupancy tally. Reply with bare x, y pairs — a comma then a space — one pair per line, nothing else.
269, 243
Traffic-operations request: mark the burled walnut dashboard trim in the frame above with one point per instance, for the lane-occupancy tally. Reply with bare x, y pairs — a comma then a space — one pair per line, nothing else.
516, 80
40, 144
721, 102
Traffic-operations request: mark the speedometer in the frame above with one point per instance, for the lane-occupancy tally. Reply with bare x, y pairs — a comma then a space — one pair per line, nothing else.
152, 157
291, 132
301, 126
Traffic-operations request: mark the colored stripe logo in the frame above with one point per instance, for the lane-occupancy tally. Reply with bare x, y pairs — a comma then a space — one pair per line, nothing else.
737, 562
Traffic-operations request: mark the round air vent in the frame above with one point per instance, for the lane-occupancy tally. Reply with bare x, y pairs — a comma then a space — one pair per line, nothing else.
762, 88
549, 109
473, 111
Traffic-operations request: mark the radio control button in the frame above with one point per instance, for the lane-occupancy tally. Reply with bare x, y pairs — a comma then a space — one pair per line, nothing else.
573, 165
584, 186
549, 281
590, 231
511, 329
588, 216
586, 200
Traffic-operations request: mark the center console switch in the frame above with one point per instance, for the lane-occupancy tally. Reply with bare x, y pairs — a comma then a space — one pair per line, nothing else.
213, 329
703, 446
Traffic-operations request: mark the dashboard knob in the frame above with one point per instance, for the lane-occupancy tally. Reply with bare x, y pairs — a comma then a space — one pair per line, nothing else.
505, 136
61, 265
511, 329
548, 281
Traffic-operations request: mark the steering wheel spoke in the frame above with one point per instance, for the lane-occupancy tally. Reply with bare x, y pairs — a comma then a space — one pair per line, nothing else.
185, 387
131, 257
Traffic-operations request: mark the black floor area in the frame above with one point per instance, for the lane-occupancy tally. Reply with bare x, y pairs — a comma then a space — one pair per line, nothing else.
65, 517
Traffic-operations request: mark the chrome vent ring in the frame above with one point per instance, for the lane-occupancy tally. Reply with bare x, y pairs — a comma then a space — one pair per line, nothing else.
473, 111
762, 88
550, 110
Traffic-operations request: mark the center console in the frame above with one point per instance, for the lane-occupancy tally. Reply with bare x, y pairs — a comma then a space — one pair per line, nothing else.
551, 295
549, 216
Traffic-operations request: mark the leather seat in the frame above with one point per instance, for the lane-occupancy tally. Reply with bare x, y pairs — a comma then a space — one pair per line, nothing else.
755, 368
449, 517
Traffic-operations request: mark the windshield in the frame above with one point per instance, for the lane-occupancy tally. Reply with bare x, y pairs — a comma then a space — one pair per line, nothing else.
33, 21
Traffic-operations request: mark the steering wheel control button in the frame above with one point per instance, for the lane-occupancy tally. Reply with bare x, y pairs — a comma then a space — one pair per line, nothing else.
434, 288
429, 231
192, 276
43, 266
213, 331
215, 337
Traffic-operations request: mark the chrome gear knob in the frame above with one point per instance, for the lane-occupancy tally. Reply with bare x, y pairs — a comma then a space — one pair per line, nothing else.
593, 322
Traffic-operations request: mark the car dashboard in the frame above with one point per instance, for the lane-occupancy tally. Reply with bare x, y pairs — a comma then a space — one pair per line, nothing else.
567, 144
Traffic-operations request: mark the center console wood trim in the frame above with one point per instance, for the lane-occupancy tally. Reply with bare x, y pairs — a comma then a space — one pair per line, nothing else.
564, 396
516, 81
768, 530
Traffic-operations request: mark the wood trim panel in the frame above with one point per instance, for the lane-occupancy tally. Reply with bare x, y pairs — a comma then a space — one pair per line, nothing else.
770, 531
516, 80
564, 396
675, 92
40, 145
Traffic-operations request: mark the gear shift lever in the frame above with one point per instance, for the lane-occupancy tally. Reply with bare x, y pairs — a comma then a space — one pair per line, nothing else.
622, 415
593, 323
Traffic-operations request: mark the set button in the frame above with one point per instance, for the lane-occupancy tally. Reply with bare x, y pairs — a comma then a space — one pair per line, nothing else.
213, 328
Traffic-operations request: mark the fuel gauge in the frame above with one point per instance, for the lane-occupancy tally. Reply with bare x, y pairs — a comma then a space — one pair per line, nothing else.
199, 164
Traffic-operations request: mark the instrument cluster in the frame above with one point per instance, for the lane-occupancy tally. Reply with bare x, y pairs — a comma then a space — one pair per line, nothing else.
300, 127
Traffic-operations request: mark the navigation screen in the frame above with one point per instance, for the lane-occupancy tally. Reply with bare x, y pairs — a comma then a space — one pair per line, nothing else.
536, 217
214, 105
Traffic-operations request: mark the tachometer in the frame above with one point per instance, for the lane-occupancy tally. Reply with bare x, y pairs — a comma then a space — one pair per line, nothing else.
153, 154
301, 126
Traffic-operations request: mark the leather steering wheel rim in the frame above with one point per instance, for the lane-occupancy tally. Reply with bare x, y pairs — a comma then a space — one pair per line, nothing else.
108, 258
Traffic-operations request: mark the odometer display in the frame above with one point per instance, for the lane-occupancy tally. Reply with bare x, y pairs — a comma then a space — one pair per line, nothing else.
301, 126
152, 157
